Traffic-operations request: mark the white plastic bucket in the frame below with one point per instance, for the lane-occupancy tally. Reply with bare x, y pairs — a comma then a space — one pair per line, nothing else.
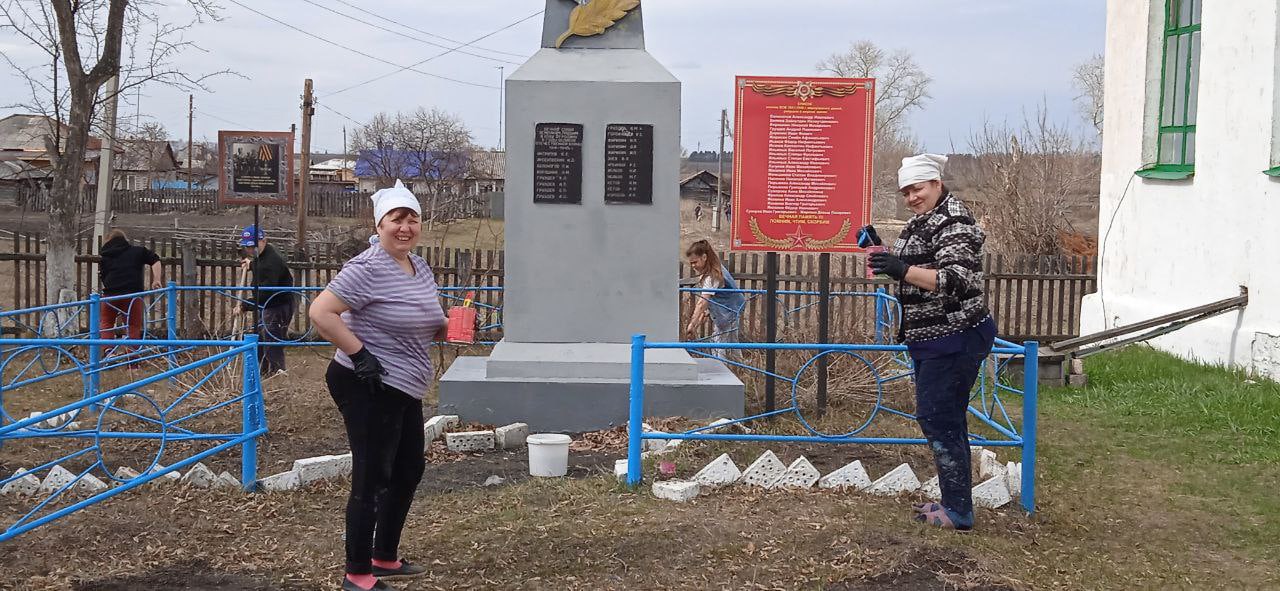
548, 454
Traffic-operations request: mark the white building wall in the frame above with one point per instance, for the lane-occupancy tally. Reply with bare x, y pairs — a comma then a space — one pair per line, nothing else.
1178, 244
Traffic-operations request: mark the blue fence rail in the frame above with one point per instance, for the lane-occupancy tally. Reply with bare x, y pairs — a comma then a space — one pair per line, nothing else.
96, 417
986, 405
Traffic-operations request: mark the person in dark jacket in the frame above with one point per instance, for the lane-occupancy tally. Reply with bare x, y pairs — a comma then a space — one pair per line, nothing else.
120, 272
269, 271
947, 328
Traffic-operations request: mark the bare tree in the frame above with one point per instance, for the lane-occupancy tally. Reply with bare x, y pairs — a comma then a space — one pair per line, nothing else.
430, 149
902, 87
376, 144
84, 44
1089, 78
1025, 180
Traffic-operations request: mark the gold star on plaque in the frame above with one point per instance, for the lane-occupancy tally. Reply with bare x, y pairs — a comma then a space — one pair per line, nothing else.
595, 17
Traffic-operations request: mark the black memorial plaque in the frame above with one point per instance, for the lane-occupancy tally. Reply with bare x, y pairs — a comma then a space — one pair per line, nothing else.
557, 163
628, 163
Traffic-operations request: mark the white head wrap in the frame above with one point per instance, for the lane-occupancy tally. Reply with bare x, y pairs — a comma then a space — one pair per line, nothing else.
921, 168
394, 198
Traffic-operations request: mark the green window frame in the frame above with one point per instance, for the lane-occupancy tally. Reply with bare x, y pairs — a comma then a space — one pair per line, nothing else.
1179, 90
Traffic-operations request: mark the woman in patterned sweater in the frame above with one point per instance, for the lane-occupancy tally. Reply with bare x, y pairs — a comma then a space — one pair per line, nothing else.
946, 326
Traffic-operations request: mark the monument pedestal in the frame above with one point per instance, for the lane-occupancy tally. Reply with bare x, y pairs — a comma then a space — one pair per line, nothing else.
592, 215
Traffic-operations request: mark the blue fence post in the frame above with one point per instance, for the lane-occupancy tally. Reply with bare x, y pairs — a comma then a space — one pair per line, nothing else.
171, 323
880, 293
1030, 407
249, 416
634, 429
95, 352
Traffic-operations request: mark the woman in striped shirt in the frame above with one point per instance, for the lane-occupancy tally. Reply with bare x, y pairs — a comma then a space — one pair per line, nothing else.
383, 307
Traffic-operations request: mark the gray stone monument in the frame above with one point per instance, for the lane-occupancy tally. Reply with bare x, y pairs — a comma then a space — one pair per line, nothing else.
592, 238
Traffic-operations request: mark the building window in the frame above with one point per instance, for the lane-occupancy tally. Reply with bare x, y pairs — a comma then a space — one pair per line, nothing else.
1179, 85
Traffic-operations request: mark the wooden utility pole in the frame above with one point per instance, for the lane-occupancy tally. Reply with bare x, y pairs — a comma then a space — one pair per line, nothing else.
308, 109
191, 147
719, 206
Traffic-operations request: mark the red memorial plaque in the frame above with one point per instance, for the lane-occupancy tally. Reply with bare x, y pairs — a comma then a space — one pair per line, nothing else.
802, 163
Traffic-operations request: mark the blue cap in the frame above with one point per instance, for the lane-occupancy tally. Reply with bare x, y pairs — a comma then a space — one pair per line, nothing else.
246, 237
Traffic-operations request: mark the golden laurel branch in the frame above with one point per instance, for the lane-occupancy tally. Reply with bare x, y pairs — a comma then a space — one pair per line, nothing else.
804, 91
595, 17
765, 240
832, 241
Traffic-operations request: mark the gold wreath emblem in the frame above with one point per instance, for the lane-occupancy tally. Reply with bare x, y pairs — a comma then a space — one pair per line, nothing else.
595, 17
804, 90
810, 244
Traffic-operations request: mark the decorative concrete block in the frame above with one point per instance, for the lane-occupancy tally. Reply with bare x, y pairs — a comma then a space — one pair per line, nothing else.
765, 471
992, 493
851, 475
1077, 366
322, 468
170, 477
720, 472
25, 484
898, 481
512, 436
620, 469
126, 473
199, 476
56, 479
1013, 478
932, 489
659, 446
469, 441
73, 426
494, 480
90, 485
226, 480
437, 425
989, 465
675, 490
281, 482
800, 474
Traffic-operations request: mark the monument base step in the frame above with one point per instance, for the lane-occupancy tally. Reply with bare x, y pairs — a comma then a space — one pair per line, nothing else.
610, 361
590, 404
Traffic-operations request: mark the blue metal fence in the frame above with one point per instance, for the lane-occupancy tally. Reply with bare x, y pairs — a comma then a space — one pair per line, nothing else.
987, 405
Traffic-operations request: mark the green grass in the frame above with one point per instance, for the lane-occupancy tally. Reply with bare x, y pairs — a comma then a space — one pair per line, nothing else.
1207, 440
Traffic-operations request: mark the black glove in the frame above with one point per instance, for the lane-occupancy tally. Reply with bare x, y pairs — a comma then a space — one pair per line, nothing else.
867, 237
884, 263
367, 367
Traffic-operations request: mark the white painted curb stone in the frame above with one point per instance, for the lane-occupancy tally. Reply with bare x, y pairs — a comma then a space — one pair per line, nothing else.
765, 471
620, 469
226, 480
469, 441
90, 484
989, 465
991, 494
931, 489
720, 472
281, 482
322, 468
126, 473
56, 479
25, 484
511, 436
851, 475
727, 424
199, 476
800, 474
170, 477
898, 481
675, 490
1013, 478
436, 426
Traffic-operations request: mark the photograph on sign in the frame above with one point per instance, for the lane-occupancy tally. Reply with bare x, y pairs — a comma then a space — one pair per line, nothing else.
802, 163
256, 168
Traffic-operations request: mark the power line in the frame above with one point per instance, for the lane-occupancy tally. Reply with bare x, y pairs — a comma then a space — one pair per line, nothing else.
408, 36
427, 33
357, 51
212, 116
411, 66
338, 113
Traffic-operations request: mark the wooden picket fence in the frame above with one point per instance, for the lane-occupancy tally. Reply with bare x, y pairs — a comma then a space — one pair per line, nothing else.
1032, 297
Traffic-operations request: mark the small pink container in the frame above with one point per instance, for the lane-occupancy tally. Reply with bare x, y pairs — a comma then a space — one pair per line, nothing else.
871, 250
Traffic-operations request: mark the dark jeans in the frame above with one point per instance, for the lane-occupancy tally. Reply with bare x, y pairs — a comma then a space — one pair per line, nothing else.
942, 409
385, 432
275, 328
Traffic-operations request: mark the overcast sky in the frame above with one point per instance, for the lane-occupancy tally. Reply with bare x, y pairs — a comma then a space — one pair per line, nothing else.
989, 58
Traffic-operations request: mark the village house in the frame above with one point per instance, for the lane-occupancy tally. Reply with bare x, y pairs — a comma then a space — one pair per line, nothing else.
1190, 194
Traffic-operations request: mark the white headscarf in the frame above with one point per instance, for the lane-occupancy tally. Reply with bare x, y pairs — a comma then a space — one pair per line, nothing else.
921, 168
394, 198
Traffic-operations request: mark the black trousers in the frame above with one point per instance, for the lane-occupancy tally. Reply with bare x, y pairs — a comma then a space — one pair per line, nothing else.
275, 328
384, 428
942, 410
